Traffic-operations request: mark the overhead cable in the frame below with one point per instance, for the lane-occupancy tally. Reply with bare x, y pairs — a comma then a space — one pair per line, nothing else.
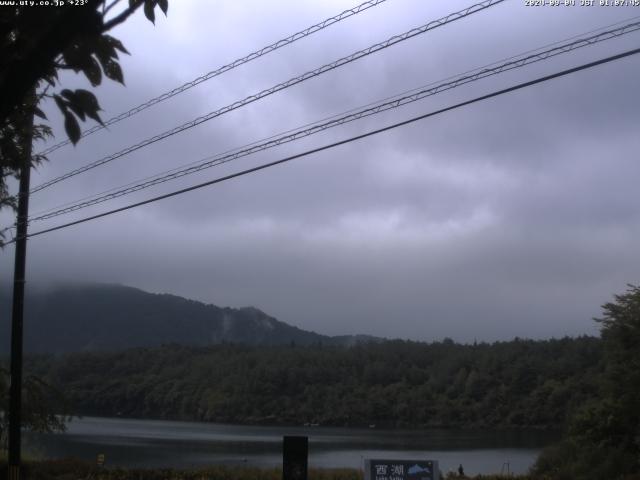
388, 104
281, 86
343, 142
225, 68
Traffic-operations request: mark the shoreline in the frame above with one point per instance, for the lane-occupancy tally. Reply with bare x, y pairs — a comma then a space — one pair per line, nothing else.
376, 426
163, 444
63, 469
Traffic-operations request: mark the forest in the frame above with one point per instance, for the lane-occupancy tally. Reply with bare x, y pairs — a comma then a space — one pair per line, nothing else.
395, 383
588, 388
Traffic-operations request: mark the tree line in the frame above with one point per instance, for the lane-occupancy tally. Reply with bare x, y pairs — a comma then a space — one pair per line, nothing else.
587, 387
395, 383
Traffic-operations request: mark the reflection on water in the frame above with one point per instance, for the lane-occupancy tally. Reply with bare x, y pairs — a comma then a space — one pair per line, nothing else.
154, 443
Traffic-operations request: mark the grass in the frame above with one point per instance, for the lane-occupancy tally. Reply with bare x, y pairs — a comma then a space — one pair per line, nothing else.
71, 469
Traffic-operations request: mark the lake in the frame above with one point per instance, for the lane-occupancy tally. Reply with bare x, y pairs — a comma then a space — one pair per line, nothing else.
156, 443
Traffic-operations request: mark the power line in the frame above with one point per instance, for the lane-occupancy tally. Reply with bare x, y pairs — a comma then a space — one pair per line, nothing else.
281, 86
317, 126
225, 68
343, 142
356, 115
413, 90
539, 49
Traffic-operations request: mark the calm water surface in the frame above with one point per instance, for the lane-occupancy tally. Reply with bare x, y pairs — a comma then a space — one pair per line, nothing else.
155, 443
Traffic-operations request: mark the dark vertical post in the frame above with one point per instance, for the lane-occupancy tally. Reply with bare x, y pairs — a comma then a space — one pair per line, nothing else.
15, 389
295, 451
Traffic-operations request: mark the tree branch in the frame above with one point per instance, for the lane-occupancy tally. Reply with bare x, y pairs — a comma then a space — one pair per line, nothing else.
106, 9
117, 20
62, 66
25, 72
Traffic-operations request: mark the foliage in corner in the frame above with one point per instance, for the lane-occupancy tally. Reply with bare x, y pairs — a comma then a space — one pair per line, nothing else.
44, 408
603, 438
35, 45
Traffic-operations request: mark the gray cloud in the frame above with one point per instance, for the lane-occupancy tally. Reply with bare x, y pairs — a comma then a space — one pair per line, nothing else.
514, 217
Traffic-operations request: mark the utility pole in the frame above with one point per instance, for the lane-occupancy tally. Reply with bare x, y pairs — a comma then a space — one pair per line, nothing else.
15, 389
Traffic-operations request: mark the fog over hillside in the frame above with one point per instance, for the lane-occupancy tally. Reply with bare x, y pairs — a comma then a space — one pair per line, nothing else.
97, 317
515, 216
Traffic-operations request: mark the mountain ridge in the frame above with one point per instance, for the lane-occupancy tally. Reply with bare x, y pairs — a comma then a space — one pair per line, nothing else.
106, 317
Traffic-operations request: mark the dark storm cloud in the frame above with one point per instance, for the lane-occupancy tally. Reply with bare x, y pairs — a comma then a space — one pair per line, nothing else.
516, 216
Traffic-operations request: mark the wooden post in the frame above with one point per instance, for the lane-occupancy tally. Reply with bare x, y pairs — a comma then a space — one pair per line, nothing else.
15, 387
295, 452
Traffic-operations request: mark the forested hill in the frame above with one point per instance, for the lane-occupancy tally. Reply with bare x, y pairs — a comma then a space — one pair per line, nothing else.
114, 317
395, 383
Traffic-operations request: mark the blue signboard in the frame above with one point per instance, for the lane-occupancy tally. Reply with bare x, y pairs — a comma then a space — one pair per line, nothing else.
401, 470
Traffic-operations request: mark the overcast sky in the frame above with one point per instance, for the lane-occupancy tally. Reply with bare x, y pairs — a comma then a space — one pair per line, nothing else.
518, 216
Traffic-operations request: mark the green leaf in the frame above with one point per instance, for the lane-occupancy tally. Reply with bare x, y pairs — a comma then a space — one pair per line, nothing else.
72, 103
104, 50
117, 44
164, 6
68, 94
87, 100
73, 57
61, 103
39, 113
75, 108
113, 71
72, 128
96, 117
92, 71
89, 104
148, 10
